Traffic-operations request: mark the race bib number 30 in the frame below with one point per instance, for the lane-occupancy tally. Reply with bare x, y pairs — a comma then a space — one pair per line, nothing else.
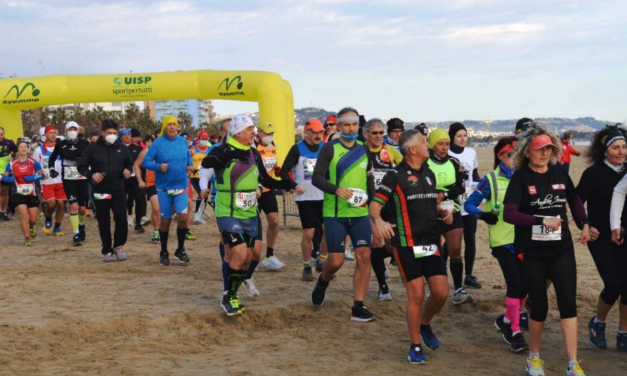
246, 200
358, 199
544, 234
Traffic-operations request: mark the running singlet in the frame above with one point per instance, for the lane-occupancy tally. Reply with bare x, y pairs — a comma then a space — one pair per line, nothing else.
197, 157
413, 197
268, 155
445, 176
20, 170
348, 169
237, 189
42, 155
468, 161
6, 148
303, 172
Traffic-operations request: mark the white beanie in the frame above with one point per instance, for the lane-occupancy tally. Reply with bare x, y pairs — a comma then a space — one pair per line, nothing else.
239, 123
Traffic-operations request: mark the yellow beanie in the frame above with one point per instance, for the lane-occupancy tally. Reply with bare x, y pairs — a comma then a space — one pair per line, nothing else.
167, 120
436, 136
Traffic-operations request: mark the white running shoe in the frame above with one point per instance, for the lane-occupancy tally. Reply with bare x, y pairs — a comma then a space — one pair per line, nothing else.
145, 221
384, 296
272, 263
251, 289
198, 219
348, 255
460, 296
387, 272
535, 367
131, 220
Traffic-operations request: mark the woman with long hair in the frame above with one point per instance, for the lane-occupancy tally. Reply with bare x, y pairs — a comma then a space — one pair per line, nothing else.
535, 202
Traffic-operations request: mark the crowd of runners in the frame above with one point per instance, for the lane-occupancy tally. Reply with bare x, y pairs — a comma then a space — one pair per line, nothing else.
366, 191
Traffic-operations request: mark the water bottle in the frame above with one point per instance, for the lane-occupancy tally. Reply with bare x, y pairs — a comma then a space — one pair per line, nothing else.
496, 209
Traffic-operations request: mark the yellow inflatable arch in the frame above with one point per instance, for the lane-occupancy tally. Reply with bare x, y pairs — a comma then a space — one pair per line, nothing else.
272, 92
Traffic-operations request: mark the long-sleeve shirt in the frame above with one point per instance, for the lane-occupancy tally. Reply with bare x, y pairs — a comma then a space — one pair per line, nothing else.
596, 186
176, 154
618, 203
108, 160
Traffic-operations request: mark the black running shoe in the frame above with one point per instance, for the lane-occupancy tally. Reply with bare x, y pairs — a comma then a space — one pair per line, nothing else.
76, 240
505, 329
597, 334
307, 275
518, 343
164, 259
81, 232
317, 295
181, 256
524, 321
471, 282
139, 229
231, 305
315, 253
362, 314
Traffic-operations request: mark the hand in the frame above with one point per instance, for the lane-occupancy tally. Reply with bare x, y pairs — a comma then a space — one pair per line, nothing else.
553, 223
164, 167
205, 193
489, 218
190, 169
277, 170
258, 192
126, 173
585, 234
344, 193
53, 173
385, 229
440, 197
142, 184
300, 190
97, 177
446, 216
617, 236
594, 234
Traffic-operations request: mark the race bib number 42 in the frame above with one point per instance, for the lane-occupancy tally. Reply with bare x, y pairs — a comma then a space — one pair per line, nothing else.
246, 200
425, 250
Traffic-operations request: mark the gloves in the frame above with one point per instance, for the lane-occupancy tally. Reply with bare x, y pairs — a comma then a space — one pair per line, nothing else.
489, 218
53, 173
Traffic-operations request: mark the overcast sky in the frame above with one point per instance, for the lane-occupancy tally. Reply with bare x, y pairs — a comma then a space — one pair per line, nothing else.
428, 60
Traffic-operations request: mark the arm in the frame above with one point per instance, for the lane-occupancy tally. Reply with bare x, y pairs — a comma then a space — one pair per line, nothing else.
575, 204
54, 156
474, 200
220, 156
618, 202
290, 161
205, 177
320, 171
382, 196
512, 216
586, 186
475, 175
268, 181
149, 159
84, 163
138, 167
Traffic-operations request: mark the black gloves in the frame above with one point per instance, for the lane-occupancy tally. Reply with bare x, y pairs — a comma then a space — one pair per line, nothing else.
53, 173
489, 218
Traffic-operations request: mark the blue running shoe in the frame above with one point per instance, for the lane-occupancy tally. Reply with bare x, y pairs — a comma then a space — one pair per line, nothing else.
597, 334
416, 355
428, 337
621, 342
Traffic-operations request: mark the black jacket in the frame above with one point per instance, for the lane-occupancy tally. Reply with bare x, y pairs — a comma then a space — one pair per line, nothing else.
70, 152
112, 160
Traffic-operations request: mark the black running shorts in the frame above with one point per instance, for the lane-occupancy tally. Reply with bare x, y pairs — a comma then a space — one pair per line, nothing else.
411, 267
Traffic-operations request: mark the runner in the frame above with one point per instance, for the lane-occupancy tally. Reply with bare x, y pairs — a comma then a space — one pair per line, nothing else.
51, 187
597, 185
7, 147
146, 181
169, 157
467, 157
107, 163
301, 161
492, 188
396, 128
24, 171
567, 150
535, 202
449, 177
238, 169
268, 202
422, 128
383, 158
523, 125
330, 126
70, 151
199, 152
409, 190
341, 172
135, 195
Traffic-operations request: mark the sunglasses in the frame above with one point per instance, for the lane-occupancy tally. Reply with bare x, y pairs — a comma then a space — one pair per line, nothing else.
329, 124
381, 133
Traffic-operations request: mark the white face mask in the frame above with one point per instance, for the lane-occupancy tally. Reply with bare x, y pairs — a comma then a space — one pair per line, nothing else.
267, 140
203, 143
72, 135
110, 138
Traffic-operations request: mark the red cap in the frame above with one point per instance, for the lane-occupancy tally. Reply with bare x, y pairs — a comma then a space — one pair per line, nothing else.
203, 135
509, 148
331, 118
50, 128
315, 125
541, 141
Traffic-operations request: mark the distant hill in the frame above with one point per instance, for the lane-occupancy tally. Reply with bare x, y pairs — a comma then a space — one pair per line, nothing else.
302, 114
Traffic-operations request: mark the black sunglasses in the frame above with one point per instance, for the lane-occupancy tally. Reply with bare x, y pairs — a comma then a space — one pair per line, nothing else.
329, 124
381, 133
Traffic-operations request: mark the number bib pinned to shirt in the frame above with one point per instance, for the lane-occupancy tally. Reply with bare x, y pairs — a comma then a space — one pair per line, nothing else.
26, 189
378, 177
310, 165
246, 200
71, 173
269, 163
102, 196
425, 250
544, 234
358, 199
175, 192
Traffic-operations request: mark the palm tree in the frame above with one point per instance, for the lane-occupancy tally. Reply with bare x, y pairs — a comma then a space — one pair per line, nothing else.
186, 122
132, 115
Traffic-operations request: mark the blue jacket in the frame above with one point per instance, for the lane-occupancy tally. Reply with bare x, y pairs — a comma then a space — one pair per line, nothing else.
174, 152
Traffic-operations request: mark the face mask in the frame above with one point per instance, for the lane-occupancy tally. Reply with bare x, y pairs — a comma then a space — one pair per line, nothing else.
350, 137
72, 135
267, 140
110, 138
203, 143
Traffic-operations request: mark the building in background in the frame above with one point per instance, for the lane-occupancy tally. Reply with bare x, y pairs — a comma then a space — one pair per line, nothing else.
152, 107
200, 110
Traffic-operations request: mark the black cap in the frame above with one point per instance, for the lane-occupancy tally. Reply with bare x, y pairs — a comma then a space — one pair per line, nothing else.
395, 123
135, 132
422, 128
523, 124
454, 128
